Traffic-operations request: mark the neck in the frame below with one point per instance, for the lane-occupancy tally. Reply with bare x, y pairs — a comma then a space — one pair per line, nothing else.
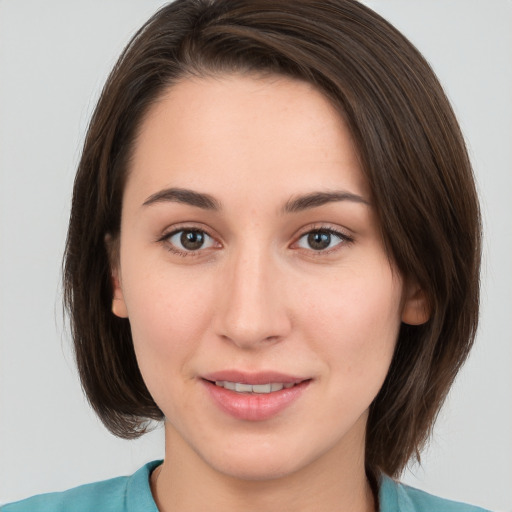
334, 482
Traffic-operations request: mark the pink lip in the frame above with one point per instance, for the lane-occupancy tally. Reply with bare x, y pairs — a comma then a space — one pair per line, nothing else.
254, 407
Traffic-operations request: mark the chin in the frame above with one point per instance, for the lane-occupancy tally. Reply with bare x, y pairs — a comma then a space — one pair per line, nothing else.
256, 469
259, 461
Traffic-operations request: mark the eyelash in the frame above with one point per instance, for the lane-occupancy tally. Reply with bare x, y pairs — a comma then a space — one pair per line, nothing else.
342, 237
165, 239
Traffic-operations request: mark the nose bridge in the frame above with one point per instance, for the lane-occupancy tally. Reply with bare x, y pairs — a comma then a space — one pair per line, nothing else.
252, 309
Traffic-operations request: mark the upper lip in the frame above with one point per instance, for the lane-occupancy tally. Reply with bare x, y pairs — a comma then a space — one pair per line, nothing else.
263, 377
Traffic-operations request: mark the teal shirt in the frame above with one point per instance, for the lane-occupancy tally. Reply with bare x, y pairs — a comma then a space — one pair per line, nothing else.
133, 494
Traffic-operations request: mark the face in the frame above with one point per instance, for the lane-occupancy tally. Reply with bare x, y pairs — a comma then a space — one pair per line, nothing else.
263, 306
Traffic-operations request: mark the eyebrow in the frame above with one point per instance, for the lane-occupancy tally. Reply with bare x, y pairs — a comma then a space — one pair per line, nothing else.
293, 205
183, 195
316, 199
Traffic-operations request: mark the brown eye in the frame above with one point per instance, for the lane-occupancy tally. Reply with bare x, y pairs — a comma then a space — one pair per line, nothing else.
190, 240
321, 240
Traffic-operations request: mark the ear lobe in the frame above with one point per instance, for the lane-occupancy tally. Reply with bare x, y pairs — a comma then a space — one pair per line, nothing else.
416, 309
118, 303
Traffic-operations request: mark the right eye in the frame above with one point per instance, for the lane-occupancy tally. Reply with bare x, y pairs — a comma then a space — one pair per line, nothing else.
189, 240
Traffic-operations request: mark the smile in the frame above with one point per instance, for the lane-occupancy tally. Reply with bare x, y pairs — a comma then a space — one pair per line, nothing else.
254, 388
254, 397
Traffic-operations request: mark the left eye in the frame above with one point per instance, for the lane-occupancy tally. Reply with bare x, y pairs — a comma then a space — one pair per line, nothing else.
320, 240
190, 240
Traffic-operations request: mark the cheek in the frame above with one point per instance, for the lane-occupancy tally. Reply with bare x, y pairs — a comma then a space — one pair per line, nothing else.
168, 317
355, 319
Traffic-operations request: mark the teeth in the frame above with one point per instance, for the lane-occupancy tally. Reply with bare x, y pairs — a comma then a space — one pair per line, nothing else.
253, 388
264, 388
243, 388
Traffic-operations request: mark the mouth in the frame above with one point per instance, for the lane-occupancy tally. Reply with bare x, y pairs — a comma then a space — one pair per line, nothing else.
254, 397
240, 387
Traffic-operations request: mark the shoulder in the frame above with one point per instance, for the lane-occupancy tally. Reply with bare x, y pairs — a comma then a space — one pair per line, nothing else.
107, 495
398, 497
122, 494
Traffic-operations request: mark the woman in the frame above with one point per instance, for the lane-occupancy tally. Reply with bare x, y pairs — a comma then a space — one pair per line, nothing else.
274, 247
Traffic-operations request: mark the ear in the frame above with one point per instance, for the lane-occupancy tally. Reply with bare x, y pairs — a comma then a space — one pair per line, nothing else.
416, 308
118, 304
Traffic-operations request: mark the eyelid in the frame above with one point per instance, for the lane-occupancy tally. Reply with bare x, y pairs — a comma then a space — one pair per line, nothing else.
325, 226
186, 226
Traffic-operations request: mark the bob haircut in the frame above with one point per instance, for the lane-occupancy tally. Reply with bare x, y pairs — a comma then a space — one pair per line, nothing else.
411, 151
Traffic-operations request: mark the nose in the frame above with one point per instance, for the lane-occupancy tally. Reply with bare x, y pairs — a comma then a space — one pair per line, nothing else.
252, 309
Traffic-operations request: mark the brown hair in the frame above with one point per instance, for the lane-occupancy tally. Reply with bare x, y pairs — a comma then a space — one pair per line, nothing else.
412, 153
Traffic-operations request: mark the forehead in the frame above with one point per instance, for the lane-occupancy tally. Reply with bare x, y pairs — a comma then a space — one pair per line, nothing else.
264, 131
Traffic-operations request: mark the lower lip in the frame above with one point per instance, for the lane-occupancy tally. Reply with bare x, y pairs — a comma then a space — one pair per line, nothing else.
254, 407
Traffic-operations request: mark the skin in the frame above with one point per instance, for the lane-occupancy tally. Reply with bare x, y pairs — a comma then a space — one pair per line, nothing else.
256, 296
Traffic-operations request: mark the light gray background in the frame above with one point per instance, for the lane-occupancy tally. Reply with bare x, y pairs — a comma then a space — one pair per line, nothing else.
54, 57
